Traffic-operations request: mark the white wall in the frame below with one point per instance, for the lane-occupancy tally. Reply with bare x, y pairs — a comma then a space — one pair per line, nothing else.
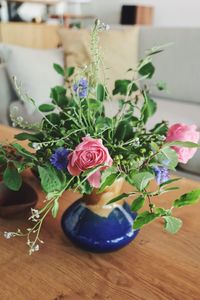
167, 12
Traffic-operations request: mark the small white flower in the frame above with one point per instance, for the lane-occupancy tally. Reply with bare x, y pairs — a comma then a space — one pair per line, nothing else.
104, 26
34, 248
37, 248
36, 146
136, 142
8, 235
34, 214
162, 137
15, 109
20, 119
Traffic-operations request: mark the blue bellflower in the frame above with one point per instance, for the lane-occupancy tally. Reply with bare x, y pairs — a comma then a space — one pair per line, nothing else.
81, 88
162, 174
59, 158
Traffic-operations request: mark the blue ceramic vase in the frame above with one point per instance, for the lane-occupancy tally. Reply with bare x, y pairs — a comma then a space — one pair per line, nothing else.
94, 226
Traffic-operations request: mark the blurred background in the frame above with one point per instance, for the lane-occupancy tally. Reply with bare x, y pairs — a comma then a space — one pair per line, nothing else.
34, 34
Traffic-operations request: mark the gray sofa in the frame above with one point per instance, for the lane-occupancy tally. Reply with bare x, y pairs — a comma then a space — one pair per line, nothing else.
178, 66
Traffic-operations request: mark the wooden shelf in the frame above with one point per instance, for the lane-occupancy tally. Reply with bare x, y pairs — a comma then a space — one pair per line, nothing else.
137, 15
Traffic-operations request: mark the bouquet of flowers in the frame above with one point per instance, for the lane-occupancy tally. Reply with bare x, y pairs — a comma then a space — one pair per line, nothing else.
77, 147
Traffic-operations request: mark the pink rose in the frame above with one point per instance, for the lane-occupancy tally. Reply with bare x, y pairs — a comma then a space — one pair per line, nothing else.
89, 154
186, 133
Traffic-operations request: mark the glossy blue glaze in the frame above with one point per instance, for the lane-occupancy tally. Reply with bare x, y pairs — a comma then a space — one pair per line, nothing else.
99, 234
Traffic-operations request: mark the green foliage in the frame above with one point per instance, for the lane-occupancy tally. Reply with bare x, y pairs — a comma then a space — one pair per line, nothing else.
169, 181
160, 128
51, 179
27, 136
188, 199
148, 109
109, 180
55, 208
138, 203
70, 71
12, 178
147, 69
59, 69
124, 131
53, 118
168, 158
140, 180
46, 107
144, 218
121, 197
58, 94
181, 144
172, 224
101, 93
124, 87
24, 153
161, 86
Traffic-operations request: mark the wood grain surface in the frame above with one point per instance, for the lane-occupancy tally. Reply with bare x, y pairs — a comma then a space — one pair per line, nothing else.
155, 266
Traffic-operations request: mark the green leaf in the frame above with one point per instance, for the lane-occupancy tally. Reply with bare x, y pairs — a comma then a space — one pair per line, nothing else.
161, 86
2, 159
85, 188
168, 157
108, 181
55, 208
157, 49
26, 136
122, 87
124, 130
188, 199
173, 188
138, 203
160, 128
148, 109
181, 144
70, 71
172, 224
58, 94
54, 118
51, 179
101, 92
46, 107
144, 218
169, 181
147, 70
24, 152
59, 69
120, 197
94, 105
12, 178
141, 180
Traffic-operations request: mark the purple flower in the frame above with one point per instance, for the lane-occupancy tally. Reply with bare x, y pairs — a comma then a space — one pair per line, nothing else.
81, 88
162, 174
59, 158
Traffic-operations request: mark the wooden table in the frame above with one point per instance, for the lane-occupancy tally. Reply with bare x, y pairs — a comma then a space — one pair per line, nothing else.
155, 266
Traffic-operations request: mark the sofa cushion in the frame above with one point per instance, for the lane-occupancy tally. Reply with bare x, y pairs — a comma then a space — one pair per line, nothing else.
179, 64
34, 69
119, 48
